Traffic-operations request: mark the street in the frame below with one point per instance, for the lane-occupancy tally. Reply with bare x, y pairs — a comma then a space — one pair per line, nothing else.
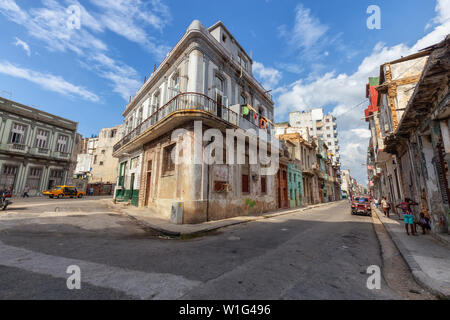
322, 253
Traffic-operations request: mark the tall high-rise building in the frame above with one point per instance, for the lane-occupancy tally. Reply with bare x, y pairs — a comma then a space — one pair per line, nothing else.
319, 126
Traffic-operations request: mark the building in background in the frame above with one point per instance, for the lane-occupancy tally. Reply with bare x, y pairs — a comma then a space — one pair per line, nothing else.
95, 164
37, 149
318, 126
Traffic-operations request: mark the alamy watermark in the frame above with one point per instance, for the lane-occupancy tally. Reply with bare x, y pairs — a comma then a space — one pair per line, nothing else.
208, 148
74, 17
374, 20
74, 280
374, 280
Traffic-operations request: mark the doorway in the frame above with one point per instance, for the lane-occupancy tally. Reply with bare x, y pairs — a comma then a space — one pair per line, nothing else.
132, 185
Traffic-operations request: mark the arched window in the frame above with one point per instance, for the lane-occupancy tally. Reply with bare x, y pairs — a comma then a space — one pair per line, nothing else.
242, 99
175, 85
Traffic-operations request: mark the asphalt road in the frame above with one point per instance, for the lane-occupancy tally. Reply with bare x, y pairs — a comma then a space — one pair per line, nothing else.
321, 253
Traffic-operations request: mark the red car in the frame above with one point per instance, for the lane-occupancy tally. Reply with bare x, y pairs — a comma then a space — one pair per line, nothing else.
361, 204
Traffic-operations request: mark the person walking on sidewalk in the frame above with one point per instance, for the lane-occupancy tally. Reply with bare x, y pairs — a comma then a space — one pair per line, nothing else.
386, 206
25, 192
408, 216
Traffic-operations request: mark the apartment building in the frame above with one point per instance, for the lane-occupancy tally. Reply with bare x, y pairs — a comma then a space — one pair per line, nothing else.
95, 160
319, 126
37, 149
206, 78
411, 152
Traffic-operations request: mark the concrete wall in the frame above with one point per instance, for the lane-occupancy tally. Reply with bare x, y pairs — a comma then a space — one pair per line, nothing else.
194, 186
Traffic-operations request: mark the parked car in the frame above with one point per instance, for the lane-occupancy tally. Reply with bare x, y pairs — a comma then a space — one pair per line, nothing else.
361, 204
63, 191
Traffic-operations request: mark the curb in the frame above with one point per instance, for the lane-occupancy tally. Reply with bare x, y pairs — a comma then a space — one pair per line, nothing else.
418, 274
213, 227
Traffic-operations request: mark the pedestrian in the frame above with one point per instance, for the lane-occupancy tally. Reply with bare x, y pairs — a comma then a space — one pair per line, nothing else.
375, 202
91, 191
408, 216
25, 192
385, 205
424, 220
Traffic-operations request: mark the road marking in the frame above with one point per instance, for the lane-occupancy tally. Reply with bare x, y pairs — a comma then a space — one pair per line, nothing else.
137, 284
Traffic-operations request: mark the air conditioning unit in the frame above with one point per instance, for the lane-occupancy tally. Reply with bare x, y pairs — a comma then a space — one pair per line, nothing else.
177, 213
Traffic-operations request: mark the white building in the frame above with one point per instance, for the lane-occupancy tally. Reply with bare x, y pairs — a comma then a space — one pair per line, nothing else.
206, 78
95, 160
319, 126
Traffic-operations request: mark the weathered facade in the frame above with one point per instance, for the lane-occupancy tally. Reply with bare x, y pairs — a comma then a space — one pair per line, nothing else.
37, 149
413, 152
204, 83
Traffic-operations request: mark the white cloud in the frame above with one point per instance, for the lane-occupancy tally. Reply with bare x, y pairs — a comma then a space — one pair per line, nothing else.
269, 77
47, 81
307, 29
24, 45
130, 19
345, 91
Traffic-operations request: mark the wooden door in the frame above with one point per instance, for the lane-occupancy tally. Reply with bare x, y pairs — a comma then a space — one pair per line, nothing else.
147, 187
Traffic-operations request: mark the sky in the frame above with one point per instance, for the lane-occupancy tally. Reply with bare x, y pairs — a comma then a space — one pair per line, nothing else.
310, 53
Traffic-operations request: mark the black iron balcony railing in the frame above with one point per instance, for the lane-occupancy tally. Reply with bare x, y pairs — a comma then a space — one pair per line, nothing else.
18, 146
185, 101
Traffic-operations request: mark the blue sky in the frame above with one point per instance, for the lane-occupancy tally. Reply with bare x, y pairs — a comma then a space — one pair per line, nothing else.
311, 53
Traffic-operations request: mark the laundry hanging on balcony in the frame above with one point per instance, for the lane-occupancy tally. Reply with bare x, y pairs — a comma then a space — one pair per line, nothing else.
263, 123
245, 110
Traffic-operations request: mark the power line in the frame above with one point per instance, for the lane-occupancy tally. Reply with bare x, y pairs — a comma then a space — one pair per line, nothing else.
352, 108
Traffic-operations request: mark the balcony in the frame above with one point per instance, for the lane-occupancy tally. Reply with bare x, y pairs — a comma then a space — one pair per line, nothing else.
61, 155
43, 151
16, 147
192, 102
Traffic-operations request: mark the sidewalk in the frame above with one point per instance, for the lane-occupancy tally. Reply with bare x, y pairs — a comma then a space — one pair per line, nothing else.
428, 258
142, 215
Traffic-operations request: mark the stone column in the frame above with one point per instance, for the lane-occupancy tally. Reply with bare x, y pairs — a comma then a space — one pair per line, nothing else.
195, 73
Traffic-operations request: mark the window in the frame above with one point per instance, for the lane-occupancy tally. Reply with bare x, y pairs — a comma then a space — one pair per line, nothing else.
168, 163
8, 177
224, 38
220, 186
113, 133
156, 100
101, 163
18, 133
103, 151
34, 178
41, 139
328, 135
139, 117
245, 183
62, 143
95, 159
175, 85
219, 83
327, 120
242, 61
134, 163
242, 99
263, 185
